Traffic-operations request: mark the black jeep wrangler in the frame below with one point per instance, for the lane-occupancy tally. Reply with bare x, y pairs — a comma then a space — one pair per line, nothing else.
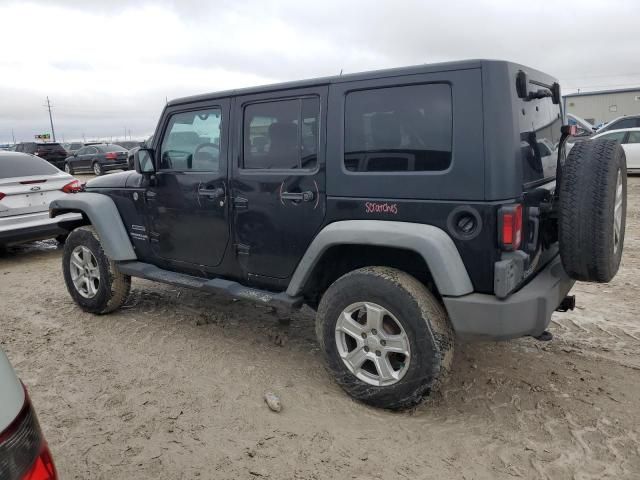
407, 206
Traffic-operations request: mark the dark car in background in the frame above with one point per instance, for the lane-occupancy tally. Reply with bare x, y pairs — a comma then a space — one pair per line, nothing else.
99, 158
52, 152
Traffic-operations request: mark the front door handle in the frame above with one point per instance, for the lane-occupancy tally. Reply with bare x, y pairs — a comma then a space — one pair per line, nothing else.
211, 193
298, 196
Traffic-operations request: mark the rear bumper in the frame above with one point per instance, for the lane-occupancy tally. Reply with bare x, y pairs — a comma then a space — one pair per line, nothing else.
526, 312
35, 226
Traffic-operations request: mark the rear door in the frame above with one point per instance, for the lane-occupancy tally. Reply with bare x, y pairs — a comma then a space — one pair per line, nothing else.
278, 184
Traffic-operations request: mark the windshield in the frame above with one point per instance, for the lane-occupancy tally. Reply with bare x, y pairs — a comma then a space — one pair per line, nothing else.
16, 165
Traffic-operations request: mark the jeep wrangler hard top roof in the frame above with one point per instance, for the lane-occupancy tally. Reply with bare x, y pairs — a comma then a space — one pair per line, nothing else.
352, 77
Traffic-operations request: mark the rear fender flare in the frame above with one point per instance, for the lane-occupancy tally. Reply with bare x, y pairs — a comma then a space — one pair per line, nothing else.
103, 214
432, 243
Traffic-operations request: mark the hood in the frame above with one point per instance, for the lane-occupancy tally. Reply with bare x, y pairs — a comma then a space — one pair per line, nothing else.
113, 180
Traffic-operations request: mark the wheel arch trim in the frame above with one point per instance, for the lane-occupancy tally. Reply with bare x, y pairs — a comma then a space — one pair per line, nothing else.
103, 214
432, 243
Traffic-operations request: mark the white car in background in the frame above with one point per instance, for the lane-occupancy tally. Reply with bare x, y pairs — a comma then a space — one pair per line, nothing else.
28, 184
629, 138
24, 454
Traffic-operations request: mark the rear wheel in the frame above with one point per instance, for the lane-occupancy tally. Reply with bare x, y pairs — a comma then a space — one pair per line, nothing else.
93, 281
385, 337
97, 169
593, 210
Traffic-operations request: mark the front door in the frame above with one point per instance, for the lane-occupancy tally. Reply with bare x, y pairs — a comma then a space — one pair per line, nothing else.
188, 198
278, 185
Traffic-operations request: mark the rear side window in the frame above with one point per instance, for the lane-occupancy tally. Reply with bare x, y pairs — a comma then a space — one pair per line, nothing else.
112, 148
634, 137
399, 129
616, 136
282, 135
24, 166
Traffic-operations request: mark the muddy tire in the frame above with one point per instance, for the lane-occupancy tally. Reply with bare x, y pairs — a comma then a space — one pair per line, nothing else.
593, 209
93, 281
385, 337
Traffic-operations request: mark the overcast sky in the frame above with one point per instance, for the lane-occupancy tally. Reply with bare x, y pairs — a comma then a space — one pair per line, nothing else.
109, 65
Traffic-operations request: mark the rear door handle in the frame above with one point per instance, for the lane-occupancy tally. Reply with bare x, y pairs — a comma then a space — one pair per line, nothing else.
211, 193
298, 196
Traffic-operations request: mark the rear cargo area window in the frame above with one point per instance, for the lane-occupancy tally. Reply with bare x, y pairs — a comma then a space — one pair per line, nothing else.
399, 129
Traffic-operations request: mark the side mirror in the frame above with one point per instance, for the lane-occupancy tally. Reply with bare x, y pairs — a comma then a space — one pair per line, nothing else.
143, 161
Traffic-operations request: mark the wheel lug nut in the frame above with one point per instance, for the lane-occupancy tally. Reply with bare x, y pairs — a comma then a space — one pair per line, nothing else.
378, 352
374, 332
383, 342
364, 335
366, 349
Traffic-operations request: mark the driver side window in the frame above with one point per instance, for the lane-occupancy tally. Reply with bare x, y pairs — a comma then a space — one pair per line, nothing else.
192, 141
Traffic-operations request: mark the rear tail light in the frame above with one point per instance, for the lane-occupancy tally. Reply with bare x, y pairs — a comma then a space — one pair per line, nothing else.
111, 156
510, 227
24, 454
2, 195
72, 187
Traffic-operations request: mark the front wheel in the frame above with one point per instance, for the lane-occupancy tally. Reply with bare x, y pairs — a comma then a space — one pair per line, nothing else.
68, 169
93, 281
385, 337
97, 169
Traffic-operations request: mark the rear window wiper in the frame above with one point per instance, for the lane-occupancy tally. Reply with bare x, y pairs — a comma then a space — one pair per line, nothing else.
522, 87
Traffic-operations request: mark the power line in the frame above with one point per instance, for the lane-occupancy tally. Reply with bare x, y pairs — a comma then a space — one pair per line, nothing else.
53, 132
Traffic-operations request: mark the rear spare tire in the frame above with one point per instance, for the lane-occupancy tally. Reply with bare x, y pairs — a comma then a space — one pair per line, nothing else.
593, 209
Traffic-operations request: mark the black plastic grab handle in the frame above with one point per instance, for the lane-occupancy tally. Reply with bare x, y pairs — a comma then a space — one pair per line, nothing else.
211, 193
298, 196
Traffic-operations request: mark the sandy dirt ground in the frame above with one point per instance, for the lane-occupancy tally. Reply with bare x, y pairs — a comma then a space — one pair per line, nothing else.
171, 387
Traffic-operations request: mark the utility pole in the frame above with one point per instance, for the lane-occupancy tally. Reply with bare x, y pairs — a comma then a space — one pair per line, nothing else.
53, 132
13, 136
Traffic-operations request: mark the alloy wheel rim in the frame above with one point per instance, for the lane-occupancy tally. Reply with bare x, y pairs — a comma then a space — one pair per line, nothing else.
617, 215
85, 272
96, 169
372, 344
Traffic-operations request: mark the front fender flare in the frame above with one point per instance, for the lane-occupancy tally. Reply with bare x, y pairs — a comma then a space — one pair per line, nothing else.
435, 246
103, 214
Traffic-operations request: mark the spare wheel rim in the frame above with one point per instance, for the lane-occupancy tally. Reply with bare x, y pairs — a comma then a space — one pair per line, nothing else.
617, 215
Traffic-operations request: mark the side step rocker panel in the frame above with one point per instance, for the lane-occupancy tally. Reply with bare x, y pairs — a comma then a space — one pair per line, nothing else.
215, 285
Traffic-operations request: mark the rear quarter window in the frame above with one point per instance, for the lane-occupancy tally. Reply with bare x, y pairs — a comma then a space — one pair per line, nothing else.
12, 166
399, 129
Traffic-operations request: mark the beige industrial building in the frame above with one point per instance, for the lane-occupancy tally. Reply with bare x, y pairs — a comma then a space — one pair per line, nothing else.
603, 106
